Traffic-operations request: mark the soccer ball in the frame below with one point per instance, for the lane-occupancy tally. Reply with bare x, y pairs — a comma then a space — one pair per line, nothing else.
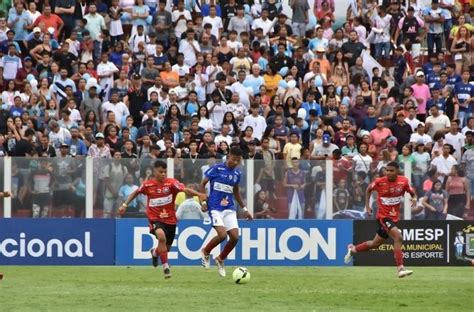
241, 275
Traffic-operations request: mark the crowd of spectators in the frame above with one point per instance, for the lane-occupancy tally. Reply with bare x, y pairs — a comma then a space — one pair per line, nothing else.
130, 81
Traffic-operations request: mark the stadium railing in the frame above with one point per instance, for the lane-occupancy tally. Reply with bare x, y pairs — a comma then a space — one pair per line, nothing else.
95, 187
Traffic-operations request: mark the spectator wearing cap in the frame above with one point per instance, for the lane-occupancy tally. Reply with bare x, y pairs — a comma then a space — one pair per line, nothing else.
34, 39
99, 149
380, 134
324, 66
402, 130
324, 151
421, 92
22, 73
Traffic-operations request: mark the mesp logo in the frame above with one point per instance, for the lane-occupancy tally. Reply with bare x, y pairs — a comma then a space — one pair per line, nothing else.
35, 247
422, 234
268, 243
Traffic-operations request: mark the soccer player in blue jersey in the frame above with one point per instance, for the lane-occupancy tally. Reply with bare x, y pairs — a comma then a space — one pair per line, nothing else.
224, 181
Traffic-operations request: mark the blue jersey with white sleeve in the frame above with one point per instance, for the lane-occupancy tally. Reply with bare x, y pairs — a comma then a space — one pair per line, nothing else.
222, 180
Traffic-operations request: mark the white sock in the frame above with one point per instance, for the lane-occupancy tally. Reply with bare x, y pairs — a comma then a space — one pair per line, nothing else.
166, 266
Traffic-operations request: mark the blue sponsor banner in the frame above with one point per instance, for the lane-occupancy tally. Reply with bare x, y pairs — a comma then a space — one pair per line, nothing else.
262, 243
57, 241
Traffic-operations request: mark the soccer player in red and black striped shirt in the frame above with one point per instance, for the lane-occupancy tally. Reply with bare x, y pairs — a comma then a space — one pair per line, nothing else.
161, 194
390, 191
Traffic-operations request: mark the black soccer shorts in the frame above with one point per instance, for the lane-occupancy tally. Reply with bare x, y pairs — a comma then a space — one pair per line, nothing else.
385, 225
169, 229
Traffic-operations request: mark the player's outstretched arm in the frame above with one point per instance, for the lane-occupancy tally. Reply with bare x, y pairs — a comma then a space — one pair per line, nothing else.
5, 194
368, 193
202, 196
238, 198
125, 204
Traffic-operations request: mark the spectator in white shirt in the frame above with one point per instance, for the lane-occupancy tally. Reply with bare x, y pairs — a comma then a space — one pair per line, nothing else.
119, 108
263, 22
444, 162
255, 121
180, 17
189, 47
420, 136
215, 21
180, 68
105, 71
223, 136
455, 138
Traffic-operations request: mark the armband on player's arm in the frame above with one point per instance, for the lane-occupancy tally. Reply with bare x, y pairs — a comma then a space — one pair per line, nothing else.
244, 209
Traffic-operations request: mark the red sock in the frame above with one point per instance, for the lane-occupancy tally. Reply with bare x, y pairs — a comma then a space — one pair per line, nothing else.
164, 257
398, 256
227, 249
210, 246
362, 247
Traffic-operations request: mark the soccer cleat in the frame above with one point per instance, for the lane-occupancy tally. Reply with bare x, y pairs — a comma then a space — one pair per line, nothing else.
1, 276
220, 267
167, 273
404, 272
348, 256
154, 260
205, 260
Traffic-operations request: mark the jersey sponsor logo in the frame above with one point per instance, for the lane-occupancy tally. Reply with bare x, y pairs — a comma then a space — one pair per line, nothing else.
166, 190
225, 188
391, 201
156, 202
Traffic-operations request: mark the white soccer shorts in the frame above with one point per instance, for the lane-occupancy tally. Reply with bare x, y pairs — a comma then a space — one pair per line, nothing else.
226, 218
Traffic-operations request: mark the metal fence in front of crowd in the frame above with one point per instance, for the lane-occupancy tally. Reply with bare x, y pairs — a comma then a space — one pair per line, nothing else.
272, 189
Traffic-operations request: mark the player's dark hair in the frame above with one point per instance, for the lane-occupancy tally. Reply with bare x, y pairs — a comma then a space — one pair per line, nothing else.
235, 151
393, 164
160, 164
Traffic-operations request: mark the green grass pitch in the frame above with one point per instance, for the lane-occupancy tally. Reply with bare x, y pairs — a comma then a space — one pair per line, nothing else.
79, 288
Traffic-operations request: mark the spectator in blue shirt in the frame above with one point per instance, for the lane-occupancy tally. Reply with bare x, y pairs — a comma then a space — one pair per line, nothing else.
311, 104
77, 147
464, 92
18, 20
